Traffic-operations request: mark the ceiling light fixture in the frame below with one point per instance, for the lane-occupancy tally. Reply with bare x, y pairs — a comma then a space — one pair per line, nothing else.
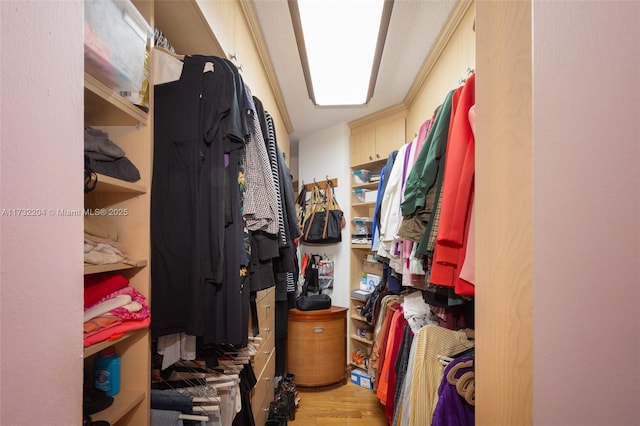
340, 43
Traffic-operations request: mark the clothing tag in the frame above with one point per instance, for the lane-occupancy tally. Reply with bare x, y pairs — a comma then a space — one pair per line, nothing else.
208, 66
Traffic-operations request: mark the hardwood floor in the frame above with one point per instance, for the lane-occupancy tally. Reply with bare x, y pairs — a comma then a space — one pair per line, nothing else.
348, 405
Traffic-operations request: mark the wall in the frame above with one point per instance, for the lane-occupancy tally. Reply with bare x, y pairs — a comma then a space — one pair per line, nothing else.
558, 245
458, 55
228, 23
325, 154
41, 168
586, 211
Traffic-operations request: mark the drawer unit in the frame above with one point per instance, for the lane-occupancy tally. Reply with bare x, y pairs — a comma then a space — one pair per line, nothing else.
264, 361
262, 393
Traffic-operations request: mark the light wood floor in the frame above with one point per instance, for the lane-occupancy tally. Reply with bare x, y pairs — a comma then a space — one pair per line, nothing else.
348, 405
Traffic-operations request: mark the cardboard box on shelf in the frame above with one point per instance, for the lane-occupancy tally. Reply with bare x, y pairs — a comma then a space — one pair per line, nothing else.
373, 281
361, 295
370, 267
360, 378
361, 238
371, 196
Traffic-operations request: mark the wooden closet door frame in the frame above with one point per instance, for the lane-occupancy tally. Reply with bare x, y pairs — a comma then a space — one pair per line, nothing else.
503, 208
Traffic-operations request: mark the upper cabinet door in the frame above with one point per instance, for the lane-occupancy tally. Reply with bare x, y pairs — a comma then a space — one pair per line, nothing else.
363, 146
389, 137
375, 141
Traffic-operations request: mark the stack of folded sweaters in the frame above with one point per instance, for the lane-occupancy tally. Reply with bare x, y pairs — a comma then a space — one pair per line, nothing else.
112, 307
105, 157
101, 242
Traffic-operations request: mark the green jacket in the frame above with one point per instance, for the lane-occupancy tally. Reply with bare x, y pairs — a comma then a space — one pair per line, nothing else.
425, 170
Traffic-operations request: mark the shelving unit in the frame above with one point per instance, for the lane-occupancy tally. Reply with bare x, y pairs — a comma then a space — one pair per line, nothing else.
103, 106
359, 253
126, 205
372, 139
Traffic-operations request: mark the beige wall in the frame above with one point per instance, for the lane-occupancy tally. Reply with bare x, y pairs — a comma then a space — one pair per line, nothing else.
458, 55
228, 23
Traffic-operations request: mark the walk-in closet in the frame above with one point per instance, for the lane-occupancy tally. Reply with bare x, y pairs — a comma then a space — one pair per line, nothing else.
456, 245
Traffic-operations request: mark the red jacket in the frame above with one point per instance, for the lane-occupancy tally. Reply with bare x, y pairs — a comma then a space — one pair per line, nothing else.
457, 197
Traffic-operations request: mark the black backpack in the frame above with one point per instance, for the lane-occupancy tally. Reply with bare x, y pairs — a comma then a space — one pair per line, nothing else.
311, 278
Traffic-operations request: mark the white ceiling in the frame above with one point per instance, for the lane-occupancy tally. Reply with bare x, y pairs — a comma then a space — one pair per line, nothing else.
414, 27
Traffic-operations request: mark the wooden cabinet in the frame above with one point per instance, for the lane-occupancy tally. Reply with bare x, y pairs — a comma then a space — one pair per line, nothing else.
264, 361
374, 141
316, 346
363, 146
125, 205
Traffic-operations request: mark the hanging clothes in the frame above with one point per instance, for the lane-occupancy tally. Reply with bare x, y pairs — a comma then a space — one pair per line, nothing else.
390, 216
200, 248
386, 377
177, 285
382, 185
454, 406
426, 371
457, 198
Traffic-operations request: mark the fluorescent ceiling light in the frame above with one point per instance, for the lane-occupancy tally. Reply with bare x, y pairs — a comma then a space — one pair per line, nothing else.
340, 44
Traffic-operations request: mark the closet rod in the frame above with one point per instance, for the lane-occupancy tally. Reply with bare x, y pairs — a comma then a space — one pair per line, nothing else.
168, 52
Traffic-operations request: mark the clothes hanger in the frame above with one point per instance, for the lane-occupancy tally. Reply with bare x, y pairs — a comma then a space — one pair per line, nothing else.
205, 408
223, 378
465, 384
193, 417
210, 399
454, 352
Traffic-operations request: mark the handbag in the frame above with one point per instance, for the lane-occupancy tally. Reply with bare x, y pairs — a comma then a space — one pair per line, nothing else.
313, 302
310, 274
324, 220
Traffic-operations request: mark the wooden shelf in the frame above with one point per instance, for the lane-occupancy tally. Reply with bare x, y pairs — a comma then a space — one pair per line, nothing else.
110, 184
104, 107
361, 246
94, 349
370, 185
184, 24
362, 340
360, 366
369, 204
358, 318
123, 403
96, 269
371, 165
